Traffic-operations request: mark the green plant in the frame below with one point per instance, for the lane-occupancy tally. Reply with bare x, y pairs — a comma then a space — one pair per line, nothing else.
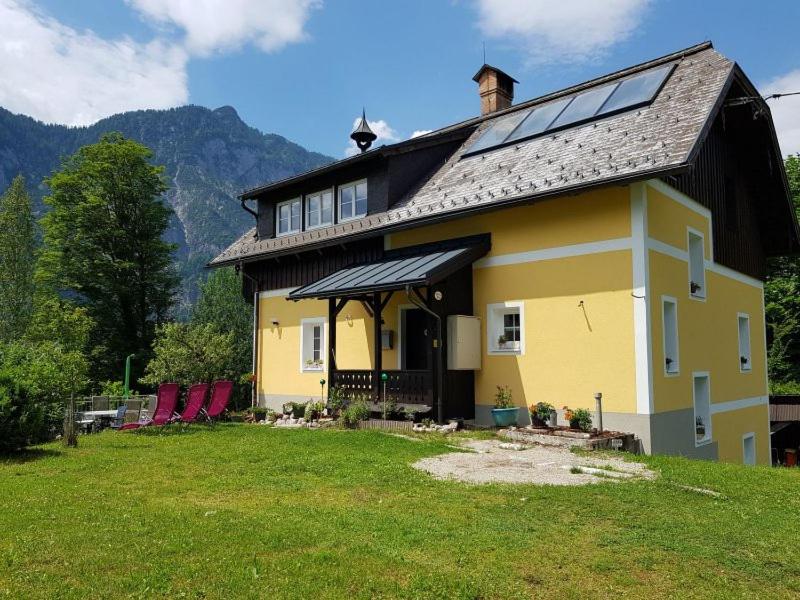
112, 388
580, 419
313, 410
502, 340
336, 400
21, 419
298, 409
541, 410
427, 422
503, 398
355, 412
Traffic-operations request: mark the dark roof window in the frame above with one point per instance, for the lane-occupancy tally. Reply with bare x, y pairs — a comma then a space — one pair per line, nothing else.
618, 96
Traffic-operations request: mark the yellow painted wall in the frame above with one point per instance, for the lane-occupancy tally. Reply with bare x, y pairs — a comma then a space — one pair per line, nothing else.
589, 217
708, 333
569, 354
731, 426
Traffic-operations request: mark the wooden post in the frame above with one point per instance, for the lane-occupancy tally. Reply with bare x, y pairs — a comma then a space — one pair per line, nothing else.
376, 377
70, 435
332, 312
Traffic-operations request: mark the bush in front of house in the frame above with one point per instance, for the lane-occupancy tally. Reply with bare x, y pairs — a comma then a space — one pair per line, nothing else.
580, 418
21, 418
355, 412
540, 412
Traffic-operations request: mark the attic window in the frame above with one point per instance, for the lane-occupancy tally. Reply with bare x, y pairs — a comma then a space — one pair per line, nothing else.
319, 209
288, 220
353, 200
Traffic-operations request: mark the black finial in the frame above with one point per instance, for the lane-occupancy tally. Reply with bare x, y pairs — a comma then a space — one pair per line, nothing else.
363, 136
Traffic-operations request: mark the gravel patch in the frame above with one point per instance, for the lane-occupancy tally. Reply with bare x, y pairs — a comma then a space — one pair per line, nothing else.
491, 461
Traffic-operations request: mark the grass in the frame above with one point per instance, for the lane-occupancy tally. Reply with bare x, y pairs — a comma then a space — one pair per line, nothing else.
245, 511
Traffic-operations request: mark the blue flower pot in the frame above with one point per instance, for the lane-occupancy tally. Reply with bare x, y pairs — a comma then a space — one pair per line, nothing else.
503, 417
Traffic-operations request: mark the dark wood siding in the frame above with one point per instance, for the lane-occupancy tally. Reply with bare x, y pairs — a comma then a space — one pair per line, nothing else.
724, 180
305, 267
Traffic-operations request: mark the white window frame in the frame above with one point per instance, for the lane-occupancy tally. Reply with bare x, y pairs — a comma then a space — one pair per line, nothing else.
707, 417
674, 367
288, 203
749, 436
701, 294
306, 351
352, 184
306, 204
495, 326
744, 344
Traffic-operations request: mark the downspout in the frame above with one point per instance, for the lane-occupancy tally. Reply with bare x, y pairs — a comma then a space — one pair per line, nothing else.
254, 384
252, 212
440, 370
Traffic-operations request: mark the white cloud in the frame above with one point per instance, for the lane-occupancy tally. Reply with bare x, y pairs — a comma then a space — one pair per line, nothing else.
57, 74
217, 25
786, 110
420, 132
386, 135
563, 31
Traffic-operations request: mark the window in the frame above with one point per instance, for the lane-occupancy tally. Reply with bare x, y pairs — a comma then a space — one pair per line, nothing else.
744, 343
697, 266
669, 314
505, 328
288, 220
702, 408
312, 344
749, 448
319, 209
353, 200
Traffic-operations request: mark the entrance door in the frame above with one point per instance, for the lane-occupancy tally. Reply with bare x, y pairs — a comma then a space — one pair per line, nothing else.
415, 339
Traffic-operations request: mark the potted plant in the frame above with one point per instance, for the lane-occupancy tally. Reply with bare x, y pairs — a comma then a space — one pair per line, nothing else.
700, 427
580, 418
694, 287
541, 413
504, 412
502, 341
743, 360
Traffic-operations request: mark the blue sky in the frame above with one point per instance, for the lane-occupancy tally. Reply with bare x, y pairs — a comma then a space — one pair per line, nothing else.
304, 68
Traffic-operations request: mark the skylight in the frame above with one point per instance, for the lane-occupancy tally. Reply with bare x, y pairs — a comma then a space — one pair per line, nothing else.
566, 112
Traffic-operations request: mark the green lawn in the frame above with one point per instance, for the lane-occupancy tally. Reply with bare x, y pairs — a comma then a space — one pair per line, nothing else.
247, 511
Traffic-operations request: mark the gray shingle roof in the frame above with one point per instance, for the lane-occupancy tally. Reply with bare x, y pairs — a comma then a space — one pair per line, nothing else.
631, 145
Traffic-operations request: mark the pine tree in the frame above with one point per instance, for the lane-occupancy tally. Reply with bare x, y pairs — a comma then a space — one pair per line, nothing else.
17, 260
103, 247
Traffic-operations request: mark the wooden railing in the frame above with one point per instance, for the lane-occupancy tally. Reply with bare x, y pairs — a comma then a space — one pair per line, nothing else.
404, 387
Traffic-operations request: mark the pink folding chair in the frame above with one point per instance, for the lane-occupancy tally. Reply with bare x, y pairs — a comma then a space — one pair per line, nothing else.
195, 399
166, 401
221, 393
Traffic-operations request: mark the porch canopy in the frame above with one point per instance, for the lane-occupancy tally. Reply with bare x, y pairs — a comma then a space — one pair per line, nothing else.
414, 269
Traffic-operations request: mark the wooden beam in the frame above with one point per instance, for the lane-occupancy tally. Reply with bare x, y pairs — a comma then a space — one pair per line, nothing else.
386, 300
338, 306
376, 323
333, 310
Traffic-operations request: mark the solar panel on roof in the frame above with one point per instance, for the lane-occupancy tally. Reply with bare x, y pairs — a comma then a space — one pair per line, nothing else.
584, 106
498, 132
636, 90
539, 120
565, 112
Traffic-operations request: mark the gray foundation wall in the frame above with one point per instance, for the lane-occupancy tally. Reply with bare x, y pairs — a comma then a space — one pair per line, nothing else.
276, 401
673, 433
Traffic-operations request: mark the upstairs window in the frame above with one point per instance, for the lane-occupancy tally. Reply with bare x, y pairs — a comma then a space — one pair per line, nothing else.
288, 220
506, 328
353, 200
319, 209
697, 265
744, 343
669, 312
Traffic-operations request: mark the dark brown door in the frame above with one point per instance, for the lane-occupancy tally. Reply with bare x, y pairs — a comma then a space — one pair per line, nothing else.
415, 339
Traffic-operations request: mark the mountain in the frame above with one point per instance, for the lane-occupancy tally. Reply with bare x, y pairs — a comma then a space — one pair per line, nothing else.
210, 157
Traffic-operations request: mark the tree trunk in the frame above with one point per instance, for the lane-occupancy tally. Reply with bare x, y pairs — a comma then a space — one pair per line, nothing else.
70, 438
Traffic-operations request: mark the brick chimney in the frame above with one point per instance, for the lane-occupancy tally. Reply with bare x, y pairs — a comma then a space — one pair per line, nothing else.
495, 88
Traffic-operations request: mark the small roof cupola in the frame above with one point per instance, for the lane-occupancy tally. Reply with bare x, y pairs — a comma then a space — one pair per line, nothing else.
495, 87
362, 135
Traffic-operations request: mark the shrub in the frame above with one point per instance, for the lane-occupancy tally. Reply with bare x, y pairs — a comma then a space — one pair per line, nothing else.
502, 398
355, 412
580, 419
112, 388
298, 409
313, 410
541, 411
21, 419
336, 400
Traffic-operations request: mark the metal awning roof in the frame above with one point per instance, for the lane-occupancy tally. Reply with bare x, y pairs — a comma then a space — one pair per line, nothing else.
408, 267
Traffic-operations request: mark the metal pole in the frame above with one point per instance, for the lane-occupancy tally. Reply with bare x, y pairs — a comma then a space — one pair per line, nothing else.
127, 389
598, 399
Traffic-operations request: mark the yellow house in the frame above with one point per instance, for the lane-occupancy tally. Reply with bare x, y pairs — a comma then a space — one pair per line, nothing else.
610, 237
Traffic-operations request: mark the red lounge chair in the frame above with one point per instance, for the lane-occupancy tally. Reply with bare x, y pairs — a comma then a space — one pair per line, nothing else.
166, 401
195, 399
221, 393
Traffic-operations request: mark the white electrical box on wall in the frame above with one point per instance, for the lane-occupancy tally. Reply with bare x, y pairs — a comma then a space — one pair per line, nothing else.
463, 342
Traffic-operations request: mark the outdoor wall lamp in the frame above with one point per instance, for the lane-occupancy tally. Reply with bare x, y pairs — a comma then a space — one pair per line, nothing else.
274, 321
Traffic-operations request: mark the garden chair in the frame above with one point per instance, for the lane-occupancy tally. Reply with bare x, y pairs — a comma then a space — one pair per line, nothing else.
221, 393
119, 420
195, 399
166, 400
